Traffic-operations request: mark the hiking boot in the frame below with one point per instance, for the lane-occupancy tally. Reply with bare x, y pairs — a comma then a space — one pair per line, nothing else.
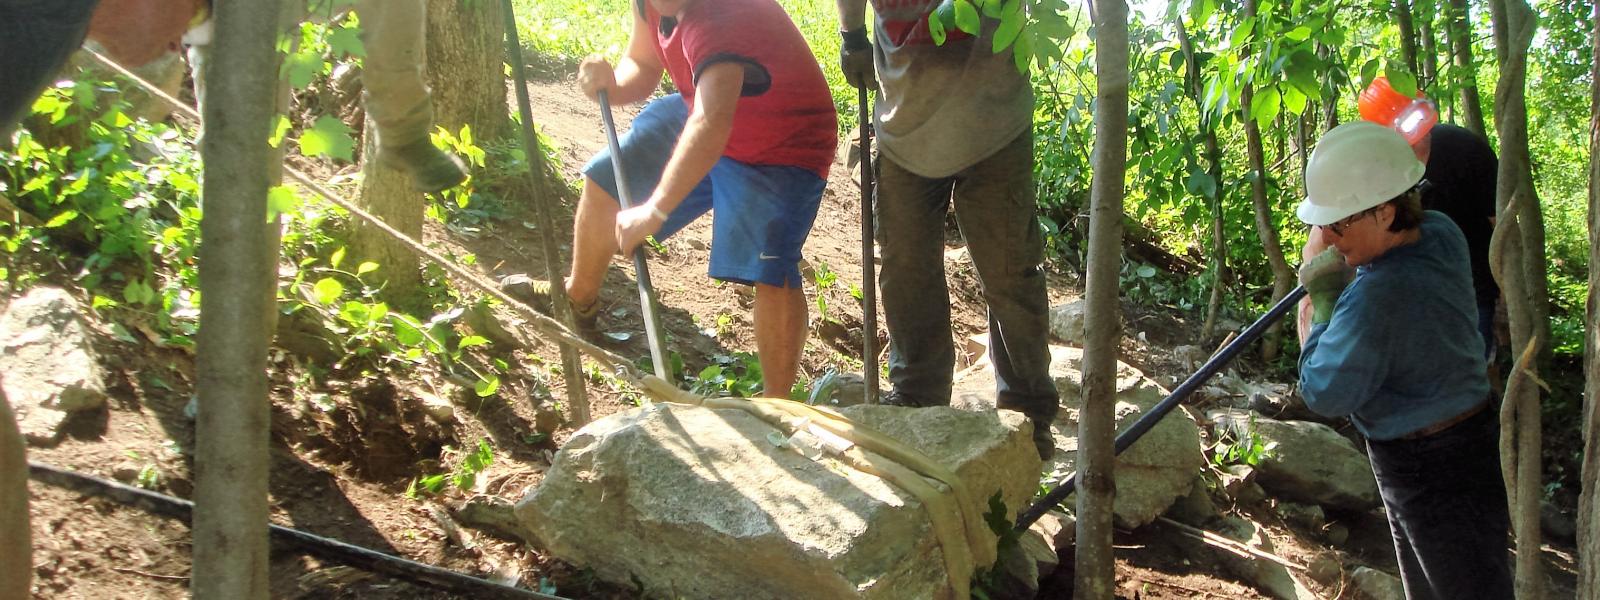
538, 294
432, 170
896, 397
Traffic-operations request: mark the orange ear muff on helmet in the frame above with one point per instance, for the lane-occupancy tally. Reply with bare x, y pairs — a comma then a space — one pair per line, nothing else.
1412, 117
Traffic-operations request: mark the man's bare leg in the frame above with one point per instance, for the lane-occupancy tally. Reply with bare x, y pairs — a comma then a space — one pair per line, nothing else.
780, 320
594, 242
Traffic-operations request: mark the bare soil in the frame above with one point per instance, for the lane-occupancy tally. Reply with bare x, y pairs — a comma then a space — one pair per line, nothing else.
346, 445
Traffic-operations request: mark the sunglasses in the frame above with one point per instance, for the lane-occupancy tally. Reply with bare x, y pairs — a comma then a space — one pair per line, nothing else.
1338, 227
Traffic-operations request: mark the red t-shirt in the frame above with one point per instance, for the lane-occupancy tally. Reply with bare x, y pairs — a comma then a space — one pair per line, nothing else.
785, 114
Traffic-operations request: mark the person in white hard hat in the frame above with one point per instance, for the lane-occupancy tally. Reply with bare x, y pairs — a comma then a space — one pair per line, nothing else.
1388, 336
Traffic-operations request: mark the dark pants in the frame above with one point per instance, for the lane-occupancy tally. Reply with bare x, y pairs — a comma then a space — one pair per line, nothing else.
1447, 510
994, 206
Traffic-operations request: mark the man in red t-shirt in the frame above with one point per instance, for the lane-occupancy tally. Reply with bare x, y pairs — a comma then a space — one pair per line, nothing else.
750, 136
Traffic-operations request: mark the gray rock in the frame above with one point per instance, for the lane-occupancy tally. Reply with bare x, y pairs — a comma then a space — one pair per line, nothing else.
1021, 567
1267, 575
1067, 323
1309, 462
1196, 507
1151, 474
1309, 516
50, 366
838, 389
1377, 585
701, 503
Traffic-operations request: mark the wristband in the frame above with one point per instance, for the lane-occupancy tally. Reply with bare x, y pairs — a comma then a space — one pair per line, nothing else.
656, 212
855, 39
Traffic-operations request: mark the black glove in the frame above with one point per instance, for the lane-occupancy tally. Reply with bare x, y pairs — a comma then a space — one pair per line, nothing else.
855, 59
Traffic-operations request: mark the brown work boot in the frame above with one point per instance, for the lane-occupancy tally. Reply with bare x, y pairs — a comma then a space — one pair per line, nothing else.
538, 294
432, 170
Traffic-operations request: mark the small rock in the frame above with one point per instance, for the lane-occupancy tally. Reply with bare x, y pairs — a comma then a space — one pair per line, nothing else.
1309, 516
1195, 508
1378, 585
1325, 568
483, 321
546, 419
51, 367
838, 389
1308, 462
517, 285
1067, 323
126, 473
437, 408
1557, 524
696, 244
1336, 534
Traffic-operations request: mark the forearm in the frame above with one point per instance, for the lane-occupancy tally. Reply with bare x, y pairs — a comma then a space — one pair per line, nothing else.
705, 136
635, 82
852, 14
1303, 320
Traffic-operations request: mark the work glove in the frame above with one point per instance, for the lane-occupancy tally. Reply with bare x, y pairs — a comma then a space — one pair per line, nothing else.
855, 59
1325, 277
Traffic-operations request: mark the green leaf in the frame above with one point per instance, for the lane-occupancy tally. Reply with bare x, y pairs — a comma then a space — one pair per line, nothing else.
1294, 100
1241, 34
278, 130
1265, 106
967, 19
936, 28
470, 341
992, 8
407, 330
346, 41
1298, 34
281, 200
1146, 271
328, 290
328, 137
1022, 52
65, 217
366, 267
301, 68
337, 257
1368, 72
487, 386
1401, 80
1010, 25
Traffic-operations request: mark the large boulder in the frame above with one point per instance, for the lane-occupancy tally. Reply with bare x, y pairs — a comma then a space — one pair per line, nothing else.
1151, 474
1309, 462
50, 366
701, 503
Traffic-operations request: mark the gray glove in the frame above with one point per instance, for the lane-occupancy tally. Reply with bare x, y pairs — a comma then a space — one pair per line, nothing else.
1325, 277
855, 59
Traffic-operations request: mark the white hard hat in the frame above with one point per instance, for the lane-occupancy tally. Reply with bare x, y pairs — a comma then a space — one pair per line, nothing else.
1356, 166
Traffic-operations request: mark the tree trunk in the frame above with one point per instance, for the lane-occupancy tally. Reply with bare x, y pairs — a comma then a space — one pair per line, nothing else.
236, 261
467, 83
1283, 277
16, 572
469, 88
1588, 509
1459, 31
1520, 421
1424, 14
1408, 34
1097, 490
1213, 153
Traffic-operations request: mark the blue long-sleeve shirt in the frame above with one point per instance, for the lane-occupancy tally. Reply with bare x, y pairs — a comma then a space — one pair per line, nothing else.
1402, 350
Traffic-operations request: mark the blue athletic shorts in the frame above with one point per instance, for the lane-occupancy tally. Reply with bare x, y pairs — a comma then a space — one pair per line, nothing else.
761, 213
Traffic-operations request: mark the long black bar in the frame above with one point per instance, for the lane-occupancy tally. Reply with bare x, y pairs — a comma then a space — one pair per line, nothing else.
869, 269
641, 270
1221, 359
320, 547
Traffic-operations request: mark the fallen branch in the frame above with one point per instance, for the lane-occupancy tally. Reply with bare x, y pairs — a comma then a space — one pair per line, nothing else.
150, 575
1231, 545
320, 547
